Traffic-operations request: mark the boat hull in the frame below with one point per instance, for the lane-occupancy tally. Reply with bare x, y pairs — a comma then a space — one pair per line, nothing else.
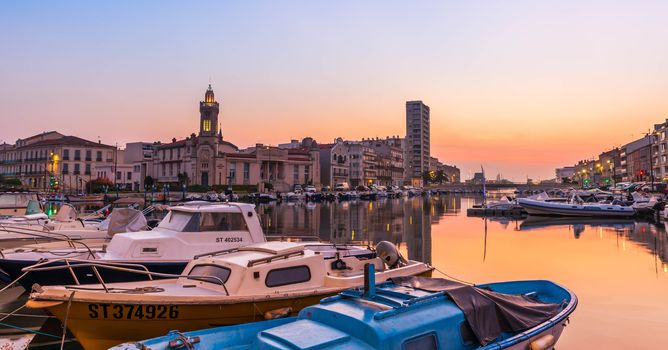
85, 275
100, 332
102, 324
562, 209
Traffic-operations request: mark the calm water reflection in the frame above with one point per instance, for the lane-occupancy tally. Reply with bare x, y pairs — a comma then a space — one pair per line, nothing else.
618, 269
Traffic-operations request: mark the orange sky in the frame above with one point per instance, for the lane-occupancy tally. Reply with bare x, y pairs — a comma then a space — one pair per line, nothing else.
520, 88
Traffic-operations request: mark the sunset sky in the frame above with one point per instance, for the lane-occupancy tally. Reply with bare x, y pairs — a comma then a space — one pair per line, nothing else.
520, 87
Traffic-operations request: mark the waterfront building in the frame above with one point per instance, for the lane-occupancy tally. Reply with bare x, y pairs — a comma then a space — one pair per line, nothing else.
451, 172
607, 165
53, 161
638, 159
659, 152
565, 174
417, 141
363, 162
389, 160
478, 178
207, 159
334, 163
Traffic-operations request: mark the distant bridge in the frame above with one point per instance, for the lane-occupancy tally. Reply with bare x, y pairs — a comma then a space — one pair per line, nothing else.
495, 186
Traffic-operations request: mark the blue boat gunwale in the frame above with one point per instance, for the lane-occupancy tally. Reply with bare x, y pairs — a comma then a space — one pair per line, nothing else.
420, 301
543, 326
415, 301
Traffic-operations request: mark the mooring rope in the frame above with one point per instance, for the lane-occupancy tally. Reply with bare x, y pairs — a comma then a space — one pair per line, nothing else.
24, 315
453, 278
67, 315
28, 330
12, 313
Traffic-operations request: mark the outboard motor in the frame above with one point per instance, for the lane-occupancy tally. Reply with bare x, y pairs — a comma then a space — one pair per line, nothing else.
390, 254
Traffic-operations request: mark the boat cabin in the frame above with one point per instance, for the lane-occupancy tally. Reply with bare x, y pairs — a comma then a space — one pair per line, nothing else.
187, 231
263, 268
19, 203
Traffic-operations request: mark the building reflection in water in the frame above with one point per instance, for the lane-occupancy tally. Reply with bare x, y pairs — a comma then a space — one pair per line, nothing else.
404, 222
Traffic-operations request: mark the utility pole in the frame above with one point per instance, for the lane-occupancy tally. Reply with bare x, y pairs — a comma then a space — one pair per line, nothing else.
116, 166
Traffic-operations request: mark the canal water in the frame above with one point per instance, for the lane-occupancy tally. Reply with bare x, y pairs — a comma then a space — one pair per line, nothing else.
617, 268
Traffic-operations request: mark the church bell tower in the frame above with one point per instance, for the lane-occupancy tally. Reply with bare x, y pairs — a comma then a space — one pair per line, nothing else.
208, 110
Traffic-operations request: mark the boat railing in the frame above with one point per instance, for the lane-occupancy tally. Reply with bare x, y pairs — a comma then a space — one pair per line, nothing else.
54, 236
216, 253
71, 264
269, 259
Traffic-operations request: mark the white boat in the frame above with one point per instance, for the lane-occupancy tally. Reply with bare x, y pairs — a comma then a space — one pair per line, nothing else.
186, 232
258, 281
38, 227
19, 204
536, 207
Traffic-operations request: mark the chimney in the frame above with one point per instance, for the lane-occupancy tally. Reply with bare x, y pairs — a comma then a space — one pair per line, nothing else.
173, 139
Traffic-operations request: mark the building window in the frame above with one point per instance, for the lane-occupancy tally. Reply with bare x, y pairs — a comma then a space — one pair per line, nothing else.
119, 175
129, 175
206, 125
233, 171
77, 154
87, 169
171, 153
164, 169
88, 155
66, 168
246, 171
77, 169
307, 173
295, 174
98, 156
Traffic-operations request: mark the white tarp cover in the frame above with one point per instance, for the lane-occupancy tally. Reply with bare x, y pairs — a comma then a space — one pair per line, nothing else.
125, 220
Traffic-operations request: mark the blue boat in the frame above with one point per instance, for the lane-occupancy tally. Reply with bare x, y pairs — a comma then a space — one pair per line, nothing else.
408, 313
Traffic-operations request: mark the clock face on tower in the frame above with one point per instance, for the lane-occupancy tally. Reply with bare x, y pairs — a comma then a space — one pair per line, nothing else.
205, 154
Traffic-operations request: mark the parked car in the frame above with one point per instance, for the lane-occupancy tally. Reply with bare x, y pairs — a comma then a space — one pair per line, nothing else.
343, 186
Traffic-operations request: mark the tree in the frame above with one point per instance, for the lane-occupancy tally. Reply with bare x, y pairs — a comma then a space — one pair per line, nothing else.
183, 178
98, 185
427, 177
441, 177
149, 182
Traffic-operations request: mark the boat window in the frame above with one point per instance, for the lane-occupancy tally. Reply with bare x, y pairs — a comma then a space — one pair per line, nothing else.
288, 275
423, 342
180, 221
210, 270
222, 222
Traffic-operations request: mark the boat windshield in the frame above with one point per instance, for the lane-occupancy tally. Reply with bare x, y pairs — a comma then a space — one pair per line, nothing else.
216, 271
222, 222
179, 221
203, 222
